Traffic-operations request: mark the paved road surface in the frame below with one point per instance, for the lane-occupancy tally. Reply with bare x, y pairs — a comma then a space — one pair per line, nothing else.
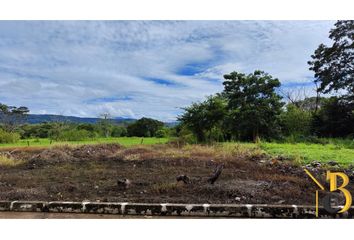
40, 215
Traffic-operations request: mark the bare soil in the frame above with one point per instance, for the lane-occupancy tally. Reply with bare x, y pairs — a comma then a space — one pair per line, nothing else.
91, 172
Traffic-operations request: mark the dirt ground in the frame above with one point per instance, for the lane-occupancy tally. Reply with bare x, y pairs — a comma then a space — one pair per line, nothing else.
98, 173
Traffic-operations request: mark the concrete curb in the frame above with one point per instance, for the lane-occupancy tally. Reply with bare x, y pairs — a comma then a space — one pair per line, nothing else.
171, 209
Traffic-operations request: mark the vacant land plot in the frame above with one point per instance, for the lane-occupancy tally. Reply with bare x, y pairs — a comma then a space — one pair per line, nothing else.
147, 173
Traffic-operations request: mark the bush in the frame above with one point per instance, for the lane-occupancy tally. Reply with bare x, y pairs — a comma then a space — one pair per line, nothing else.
162, 133
7, 137
75, 135
119, 131
295, 122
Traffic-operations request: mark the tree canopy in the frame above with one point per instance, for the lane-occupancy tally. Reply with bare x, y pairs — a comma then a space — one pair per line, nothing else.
334, 65
11, 116
205, 117
253, 103
144, 127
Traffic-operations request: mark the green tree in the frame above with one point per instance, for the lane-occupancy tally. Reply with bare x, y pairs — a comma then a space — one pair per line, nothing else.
253, 103
119, 131
334, 119
144, 127
205, 119
334, 65
296, 121
11, 116
163, 132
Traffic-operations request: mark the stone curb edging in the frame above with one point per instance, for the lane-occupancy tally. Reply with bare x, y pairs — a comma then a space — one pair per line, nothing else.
171, 209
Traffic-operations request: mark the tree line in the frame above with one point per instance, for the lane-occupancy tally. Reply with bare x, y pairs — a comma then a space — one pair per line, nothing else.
14, 128
251, 107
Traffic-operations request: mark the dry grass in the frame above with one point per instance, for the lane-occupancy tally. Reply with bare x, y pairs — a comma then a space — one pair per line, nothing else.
218, 152
8, 161
162, 188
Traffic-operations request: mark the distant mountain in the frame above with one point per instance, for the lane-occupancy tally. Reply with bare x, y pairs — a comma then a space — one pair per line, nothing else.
41, 118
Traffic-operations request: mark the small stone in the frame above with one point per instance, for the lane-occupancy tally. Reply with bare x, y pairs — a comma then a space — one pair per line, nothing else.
332, 163
316, 164
123, 183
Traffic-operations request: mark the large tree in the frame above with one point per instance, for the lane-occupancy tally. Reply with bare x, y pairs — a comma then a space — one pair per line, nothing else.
253, 103
11, 116
144, 127
334, 119
205, 119
334, 65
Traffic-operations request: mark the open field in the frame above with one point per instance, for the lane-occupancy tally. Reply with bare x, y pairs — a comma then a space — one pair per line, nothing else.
92, 173
305, 153
125, 141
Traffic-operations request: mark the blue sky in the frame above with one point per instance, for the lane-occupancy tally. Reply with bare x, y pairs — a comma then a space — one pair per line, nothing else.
145, 68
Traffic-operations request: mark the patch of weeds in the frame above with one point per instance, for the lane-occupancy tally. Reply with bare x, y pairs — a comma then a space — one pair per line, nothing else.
7, 161
161, 188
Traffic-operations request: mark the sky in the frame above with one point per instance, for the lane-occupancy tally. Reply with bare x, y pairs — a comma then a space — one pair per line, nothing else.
137, 69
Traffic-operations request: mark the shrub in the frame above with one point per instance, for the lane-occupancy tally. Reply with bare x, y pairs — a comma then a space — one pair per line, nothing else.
162, 133
7, 137
296, 122
75, 135
119, 131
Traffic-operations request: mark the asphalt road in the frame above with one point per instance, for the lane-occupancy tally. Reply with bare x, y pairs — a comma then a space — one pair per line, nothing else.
40, 215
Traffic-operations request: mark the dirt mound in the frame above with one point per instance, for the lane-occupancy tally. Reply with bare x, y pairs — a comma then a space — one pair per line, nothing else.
134, 154
56, 154
95, 151
84, 152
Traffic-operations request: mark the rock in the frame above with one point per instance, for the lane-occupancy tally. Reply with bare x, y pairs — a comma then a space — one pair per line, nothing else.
350, 174
332, 163
123, 183
316, 164
183, 178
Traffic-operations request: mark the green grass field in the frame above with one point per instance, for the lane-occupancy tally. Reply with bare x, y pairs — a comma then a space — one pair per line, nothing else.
126, 141
303, 153
306, 152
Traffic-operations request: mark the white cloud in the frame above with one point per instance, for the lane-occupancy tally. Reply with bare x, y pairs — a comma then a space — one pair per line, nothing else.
61, 67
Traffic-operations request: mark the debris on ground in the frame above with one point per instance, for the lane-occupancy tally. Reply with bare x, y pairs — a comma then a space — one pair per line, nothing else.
216, 173
183, 178
111, 172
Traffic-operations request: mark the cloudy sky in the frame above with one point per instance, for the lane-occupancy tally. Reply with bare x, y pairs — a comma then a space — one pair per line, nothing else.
145, 68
